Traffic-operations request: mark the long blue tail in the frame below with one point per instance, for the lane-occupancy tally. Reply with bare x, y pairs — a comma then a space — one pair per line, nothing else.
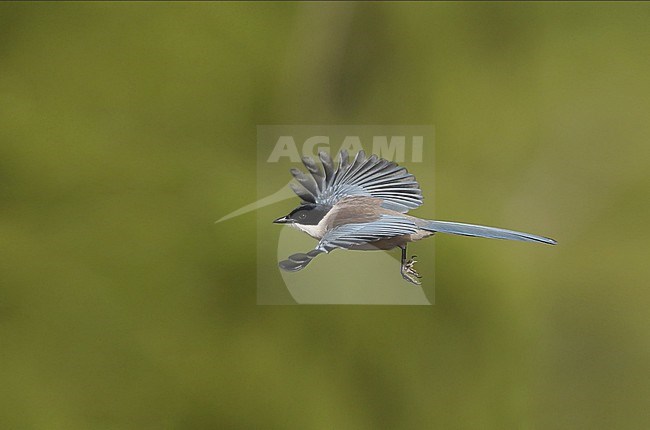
483, 231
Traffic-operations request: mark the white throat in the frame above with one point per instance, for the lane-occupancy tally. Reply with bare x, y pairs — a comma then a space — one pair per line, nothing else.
316, 231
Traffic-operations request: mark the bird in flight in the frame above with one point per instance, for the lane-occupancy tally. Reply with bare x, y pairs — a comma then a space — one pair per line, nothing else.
362, 205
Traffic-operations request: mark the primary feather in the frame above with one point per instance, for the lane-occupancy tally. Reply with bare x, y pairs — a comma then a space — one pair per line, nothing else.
347, 235
372, 176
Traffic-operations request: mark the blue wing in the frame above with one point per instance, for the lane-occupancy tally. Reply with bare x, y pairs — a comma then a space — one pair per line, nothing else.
348, 235
372, 176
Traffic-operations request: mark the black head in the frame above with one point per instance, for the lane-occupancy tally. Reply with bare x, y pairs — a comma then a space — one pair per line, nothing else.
306, 214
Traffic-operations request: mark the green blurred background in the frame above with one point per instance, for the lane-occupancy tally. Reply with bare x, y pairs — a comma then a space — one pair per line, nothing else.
127, 129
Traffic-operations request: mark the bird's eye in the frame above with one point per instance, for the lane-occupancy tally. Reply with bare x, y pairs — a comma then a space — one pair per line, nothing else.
302, 216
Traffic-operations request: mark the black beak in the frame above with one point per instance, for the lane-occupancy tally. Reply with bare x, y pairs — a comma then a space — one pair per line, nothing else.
282, 220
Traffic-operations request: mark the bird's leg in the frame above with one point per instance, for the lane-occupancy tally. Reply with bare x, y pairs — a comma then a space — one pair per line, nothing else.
408, 271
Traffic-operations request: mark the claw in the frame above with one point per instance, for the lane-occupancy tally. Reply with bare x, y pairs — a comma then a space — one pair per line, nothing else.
409, 273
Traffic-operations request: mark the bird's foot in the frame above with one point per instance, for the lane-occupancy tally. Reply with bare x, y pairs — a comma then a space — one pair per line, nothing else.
409, 273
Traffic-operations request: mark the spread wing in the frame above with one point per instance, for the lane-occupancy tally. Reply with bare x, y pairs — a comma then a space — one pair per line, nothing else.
372, 176
347, 235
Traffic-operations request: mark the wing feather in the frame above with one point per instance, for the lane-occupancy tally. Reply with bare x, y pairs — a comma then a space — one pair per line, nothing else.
365, 176
347, 235
315, 172
309, 186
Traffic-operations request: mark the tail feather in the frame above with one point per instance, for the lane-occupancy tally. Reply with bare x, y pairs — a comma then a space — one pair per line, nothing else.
483, 231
